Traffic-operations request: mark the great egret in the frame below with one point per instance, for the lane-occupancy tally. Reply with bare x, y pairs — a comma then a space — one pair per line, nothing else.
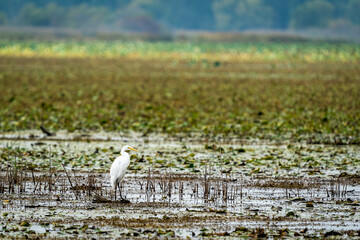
118, 168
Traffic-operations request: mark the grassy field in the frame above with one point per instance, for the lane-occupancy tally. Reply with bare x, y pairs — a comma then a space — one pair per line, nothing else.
276, 91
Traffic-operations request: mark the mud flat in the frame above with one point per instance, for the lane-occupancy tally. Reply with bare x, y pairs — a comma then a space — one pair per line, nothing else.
58, 187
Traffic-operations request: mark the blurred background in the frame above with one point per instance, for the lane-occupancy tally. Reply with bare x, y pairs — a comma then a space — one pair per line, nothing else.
182, 66
321, 19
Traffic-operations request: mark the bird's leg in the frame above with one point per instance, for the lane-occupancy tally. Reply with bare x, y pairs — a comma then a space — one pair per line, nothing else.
115, 193
119, 191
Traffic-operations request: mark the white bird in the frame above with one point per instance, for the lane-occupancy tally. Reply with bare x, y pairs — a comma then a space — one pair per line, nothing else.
118, 168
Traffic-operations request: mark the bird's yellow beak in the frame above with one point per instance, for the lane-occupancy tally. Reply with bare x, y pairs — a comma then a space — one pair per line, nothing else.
133, 149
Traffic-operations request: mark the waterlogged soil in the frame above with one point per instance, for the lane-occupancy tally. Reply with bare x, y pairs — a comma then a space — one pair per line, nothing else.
176, 187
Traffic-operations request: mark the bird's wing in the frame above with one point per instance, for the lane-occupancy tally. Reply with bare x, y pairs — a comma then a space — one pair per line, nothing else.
118, 169
115, 167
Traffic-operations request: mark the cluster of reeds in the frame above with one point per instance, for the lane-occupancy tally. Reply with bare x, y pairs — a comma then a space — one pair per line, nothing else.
14, 178
84, 186
19, 177
206, 186
222, 187
337, 189
19, 173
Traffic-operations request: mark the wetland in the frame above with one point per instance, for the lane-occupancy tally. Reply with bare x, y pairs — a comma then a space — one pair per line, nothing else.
235, 140
59, 187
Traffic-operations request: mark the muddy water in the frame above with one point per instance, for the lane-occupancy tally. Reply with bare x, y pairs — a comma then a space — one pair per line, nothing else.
177, 188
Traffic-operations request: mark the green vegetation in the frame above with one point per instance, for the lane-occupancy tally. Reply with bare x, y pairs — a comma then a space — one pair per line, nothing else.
92, 153
259, 90
198, 110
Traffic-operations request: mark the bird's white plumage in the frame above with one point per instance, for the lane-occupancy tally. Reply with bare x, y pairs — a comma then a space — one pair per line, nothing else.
118, 169
119, 166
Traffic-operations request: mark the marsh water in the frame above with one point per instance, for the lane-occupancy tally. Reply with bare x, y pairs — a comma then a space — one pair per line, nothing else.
176, 187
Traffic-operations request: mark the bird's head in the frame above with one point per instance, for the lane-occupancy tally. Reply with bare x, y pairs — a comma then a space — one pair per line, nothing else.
127, 148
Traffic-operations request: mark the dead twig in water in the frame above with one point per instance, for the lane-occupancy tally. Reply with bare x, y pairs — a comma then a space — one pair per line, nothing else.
72, 186
206, 183
50, 174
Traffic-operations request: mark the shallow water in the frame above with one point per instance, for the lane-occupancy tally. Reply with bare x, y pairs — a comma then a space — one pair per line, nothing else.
273, 189
246, 203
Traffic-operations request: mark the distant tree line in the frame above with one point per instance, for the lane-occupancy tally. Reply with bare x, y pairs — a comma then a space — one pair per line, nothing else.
161, 15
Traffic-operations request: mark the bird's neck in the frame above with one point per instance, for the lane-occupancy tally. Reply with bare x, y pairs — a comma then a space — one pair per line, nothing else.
124, 153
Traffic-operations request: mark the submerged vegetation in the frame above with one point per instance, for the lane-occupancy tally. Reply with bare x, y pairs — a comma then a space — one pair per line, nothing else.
274, 91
